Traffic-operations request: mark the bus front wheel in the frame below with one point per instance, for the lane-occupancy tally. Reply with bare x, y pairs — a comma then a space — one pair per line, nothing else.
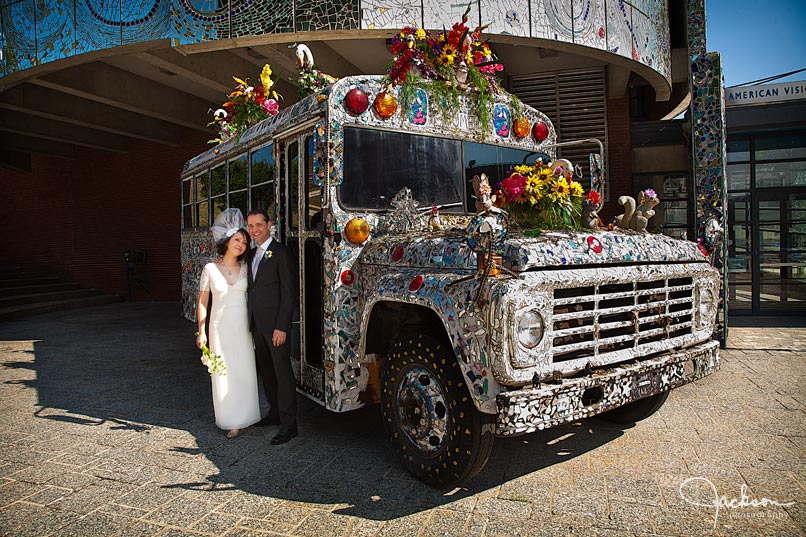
437, 432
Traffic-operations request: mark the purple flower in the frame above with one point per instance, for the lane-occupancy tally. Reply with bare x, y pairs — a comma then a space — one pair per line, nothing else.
650, 193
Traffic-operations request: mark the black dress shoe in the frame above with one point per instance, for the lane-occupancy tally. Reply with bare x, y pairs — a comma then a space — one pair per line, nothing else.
283, 436
268, 420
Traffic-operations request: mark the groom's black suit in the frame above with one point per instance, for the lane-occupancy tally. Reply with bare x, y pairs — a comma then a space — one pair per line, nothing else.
271, 306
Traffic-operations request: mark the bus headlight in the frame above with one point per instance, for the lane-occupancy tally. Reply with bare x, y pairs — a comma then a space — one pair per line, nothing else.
705, 306
530, 328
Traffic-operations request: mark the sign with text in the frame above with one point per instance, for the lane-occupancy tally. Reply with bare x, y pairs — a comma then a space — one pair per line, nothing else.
765, 93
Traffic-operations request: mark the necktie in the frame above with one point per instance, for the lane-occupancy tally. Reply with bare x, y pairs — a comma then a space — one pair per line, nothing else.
256, 261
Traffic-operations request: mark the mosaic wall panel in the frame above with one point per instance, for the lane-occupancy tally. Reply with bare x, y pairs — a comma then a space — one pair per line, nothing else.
708, 155
696, 27
552, 19
507, 17
197, 249
314, 15
264, 17
438, 14
377, 14
35, 31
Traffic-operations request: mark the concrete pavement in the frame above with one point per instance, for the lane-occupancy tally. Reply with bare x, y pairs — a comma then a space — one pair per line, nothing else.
106, 428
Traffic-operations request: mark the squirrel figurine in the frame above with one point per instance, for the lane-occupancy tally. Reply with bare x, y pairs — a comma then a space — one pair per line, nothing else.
636, 217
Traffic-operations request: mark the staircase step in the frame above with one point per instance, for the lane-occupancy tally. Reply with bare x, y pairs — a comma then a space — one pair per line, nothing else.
18, 312
37, 289
20, 282
52, 296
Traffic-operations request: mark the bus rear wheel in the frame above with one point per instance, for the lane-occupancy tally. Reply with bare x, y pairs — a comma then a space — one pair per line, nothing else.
436, 431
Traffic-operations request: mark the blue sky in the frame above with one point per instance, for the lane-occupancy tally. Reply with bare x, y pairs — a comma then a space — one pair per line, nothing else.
757, 38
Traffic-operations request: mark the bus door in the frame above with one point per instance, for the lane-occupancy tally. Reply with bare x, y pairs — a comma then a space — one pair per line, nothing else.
301, 207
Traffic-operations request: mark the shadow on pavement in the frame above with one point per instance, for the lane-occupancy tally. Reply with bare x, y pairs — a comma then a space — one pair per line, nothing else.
129, 375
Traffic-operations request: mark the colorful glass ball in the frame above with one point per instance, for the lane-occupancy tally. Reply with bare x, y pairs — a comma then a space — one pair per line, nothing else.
521, 127
540, 131
356, 101
385, 104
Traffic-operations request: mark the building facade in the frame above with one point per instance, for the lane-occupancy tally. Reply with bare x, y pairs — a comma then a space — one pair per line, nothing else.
102, 102
766, 154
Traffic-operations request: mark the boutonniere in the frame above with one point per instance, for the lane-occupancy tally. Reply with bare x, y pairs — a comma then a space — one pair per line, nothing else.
268, 254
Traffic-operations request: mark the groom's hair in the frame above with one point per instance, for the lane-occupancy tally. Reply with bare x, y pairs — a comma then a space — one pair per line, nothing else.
261, 212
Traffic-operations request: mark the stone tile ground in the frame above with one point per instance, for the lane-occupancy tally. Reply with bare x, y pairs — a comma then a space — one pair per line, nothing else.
106, 428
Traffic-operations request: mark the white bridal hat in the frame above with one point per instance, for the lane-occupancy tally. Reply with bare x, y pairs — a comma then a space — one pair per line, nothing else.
227, 224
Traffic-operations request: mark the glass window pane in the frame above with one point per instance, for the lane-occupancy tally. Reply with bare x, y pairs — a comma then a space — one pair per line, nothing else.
782, 146
202, 187
779, 174
293, 173
740, 261
262, 165
218, 181
263, 197
186, 184
740, 298
378, 164
237, 174
219, 204
187, 216
313, 193
738, 150
238, 201
203, 214
738, 176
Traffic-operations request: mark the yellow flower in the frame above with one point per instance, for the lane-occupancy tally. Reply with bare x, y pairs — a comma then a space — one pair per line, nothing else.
445, 60
265, 79
419, 34
576, 189
523, 169
449, 50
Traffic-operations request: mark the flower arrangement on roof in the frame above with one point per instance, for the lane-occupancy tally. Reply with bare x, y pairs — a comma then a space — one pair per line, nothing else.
310, 79
541, 196
245, 107
457, 56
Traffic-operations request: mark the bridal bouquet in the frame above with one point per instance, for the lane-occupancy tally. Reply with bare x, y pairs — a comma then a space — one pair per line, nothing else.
214, 363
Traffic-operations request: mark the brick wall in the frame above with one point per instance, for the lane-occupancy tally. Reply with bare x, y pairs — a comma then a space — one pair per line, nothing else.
619, 153
76, 218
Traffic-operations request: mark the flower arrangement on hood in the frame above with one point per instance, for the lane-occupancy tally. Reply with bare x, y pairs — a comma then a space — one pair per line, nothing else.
246, 106
540, 196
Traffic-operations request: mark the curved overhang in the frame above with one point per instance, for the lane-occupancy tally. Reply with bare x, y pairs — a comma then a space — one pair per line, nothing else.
101, 93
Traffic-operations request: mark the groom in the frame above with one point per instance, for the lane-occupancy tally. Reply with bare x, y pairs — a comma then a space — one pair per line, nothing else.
271, 306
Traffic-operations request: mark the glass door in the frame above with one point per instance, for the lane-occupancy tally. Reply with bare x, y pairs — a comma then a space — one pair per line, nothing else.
780, 274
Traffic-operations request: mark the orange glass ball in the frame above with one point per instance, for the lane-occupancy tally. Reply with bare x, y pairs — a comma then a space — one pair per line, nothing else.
356, 231
521, 127
385, 104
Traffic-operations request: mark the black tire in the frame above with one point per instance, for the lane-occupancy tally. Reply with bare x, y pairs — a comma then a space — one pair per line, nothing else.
436, 431
637, 410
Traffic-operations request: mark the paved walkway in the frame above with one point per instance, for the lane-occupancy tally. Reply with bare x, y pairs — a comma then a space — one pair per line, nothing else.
106, 427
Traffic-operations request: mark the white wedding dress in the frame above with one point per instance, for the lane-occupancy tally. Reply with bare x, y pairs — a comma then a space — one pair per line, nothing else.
235, 394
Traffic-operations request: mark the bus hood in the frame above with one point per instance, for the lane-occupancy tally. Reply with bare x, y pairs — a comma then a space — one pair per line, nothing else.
551, 249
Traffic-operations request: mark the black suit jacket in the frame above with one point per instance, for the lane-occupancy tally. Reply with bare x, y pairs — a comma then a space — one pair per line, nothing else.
271, 296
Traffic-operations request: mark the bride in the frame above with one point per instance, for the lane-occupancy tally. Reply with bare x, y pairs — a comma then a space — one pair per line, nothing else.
235, 395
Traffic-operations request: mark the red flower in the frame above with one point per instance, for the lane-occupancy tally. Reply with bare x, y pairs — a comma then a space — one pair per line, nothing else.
593, 197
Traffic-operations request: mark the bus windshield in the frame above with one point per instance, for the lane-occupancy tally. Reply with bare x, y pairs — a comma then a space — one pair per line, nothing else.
438, 171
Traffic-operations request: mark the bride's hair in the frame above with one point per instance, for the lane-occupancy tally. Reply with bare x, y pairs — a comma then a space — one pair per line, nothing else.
221, 247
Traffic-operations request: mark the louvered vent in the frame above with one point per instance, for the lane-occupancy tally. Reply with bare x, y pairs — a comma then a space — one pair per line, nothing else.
574, 101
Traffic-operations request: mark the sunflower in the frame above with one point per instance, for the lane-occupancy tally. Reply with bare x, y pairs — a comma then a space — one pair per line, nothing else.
449, 49
445, 60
